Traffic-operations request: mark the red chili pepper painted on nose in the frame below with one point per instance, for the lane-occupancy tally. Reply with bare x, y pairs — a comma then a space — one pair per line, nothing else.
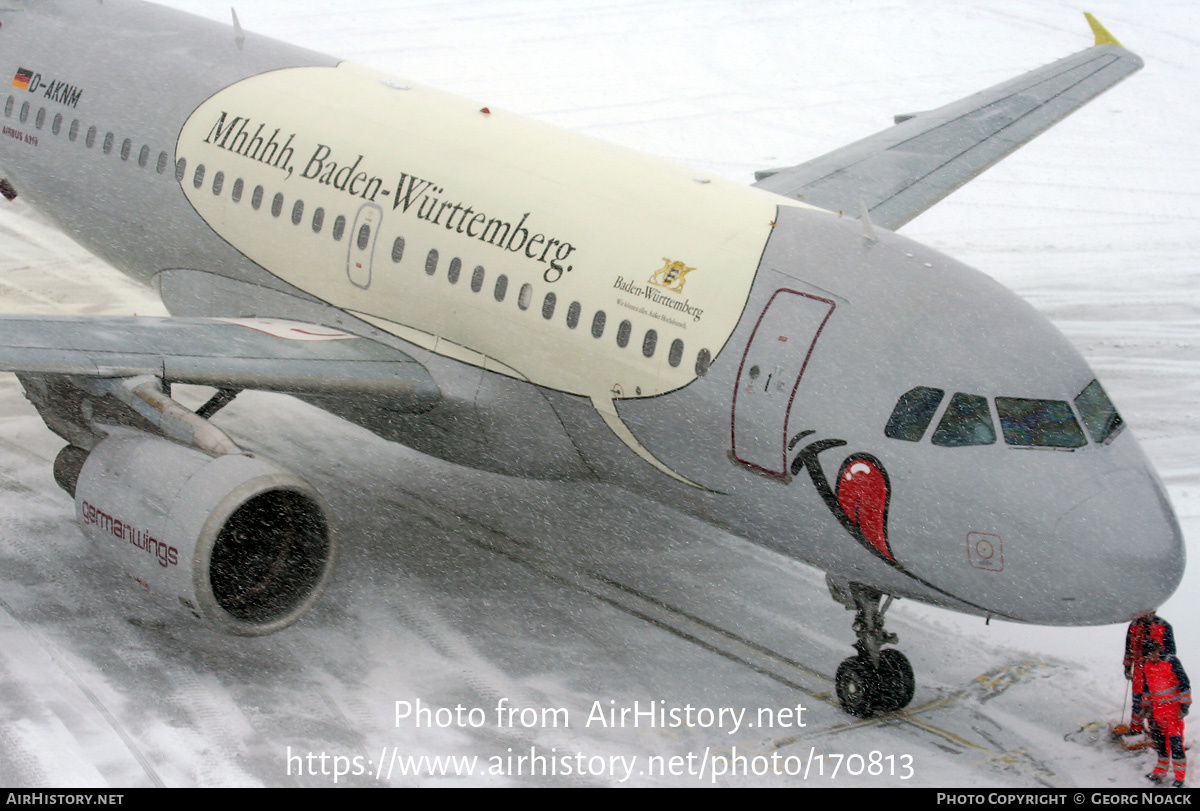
863, 492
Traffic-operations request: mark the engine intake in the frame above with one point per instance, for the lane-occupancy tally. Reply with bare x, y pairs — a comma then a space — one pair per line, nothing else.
235, 539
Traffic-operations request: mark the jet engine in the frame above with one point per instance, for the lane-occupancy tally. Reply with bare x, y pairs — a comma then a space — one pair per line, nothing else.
234, 539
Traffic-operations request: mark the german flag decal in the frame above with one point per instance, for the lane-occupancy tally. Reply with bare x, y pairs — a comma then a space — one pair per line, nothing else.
22, 78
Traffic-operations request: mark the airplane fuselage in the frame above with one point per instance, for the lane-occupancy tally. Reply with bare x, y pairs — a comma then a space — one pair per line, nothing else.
590, 312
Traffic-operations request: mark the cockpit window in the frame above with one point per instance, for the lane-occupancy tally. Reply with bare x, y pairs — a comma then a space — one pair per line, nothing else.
1039, 423
967, 421
1100, 416
913, 413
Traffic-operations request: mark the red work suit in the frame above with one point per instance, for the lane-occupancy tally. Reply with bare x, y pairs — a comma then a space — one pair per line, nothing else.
1166, 700
1141, 630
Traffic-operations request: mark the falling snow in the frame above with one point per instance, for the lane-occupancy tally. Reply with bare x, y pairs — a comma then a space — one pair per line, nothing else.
459, 589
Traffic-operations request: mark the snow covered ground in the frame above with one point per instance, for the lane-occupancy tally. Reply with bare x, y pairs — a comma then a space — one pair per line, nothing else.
459, 589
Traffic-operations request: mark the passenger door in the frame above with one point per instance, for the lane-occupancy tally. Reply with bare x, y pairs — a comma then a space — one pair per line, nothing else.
772, 368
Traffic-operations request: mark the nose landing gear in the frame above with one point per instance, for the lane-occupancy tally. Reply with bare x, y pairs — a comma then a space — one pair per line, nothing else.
875, 681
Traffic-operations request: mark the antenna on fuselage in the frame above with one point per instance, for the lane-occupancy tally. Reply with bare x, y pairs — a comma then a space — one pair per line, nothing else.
239, 36
868, 227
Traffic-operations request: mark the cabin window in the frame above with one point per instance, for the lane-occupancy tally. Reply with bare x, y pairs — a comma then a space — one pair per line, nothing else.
163, 160
1038, 423
548, 304
318, 220
364, 237
109, 140
144, 156
339, 228
598, 324
649, 343
297, 212
913, 413
40, 120
126, 149
8, 106
1100, 416
198, 178
675, 356
477, 280
501, 289
73, 132
431, 263
703, 361
455, 270
239, 186
398, 249
90, 140
24, 112
218, 183
573, 314
525, 298
623, 334
967, 421
277, 204
56, 127
256, 198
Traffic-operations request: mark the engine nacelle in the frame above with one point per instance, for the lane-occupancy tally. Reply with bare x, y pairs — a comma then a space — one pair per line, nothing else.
235, 539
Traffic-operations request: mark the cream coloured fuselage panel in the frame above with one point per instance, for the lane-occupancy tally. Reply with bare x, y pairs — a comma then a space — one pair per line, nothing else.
536, 230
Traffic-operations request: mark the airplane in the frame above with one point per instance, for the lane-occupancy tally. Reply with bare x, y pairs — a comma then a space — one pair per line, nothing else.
516, 298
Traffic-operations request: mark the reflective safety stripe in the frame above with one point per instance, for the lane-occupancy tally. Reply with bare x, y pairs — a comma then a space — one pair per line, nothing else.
1172, 696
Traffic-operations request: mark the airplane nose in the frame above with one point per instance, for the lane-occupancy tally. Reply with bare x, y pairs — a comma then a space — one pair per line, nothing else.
1128, 543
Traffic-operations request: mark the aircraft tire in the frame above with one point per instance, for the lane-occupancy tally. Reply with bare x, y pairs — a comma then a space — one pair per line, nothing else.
896, 683
856, 684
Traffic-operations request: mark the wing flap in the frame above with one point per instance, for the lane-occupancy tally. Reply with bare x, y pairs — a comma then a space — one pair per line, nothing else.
231, 353
903, 170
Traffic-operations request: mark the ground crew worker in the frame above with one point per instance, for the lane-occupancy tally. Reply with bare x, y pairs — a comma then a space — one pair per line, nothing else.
1167, 699
1145, 626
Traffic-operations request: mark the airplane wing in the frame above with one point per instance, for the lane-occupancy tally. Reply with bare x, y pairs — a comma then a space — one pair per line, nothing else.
902, 171
228, 353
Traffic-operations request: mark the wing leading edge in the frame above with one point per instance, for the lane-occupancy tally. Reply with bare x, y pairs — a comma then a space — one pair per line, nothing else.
235, 353
904, 170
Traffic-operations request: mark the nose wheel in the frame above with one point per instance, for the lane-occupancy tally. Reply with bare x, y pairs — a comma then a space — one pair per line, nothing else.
876, 680
864, 689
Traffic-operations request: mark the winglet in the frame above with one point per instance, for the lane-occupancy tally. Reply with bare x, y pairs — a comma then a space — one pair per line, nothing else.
1102, 35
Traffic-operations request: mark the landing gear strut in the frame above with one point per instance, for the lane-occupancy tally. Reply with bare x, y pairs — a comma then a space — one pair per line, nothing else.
874, 681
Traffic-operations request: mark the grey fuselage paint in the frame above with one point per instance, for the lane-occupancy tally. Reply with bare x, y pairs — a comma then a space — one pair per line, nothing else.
798, 341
